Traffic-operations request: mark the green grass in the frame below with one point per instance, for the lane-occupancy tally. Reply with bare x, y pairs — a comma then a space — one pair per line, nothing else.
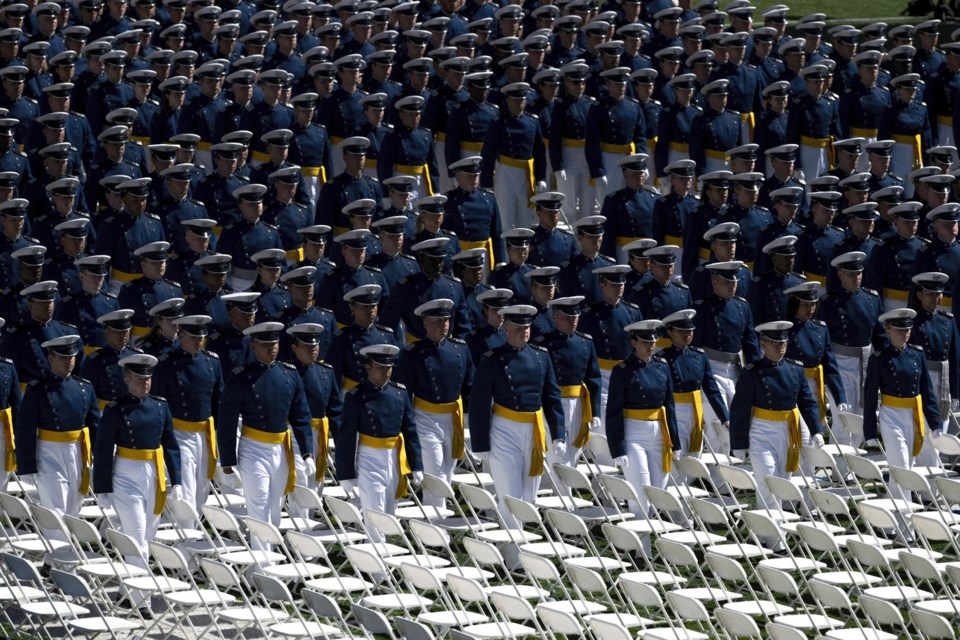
871, 11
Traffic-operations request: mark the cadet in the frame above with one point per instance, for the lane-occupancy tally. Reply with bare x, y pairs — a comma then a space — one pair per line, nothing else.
512, 274
351, 274
265, 456
408, 149
286, 211
713, 206
392, 262
550, 245
341, 112
577, 276
578, 373
437, 372
907, 123
362, 331
814, 123
715, 131
191, 380
786, 204
641, 421
473, 214
229, 343
82, 307
771, 398
346, 187
55, 426
311, 148
135, 453
469, 124
314, 241
781, 161
750, 218
163, 336
128, 230
692, 377
10, 397
515, 392
468, 266
151, 288
816, 243
943, 252
863, 104
274, 297
661, 295
898, 386
768, 301
892, 264
543, 289
378, 445
428, 284
100, 368
670, 213
302, 292
488, 332
216, 190
568, 139
206, 298
629, 210
176, 209
861, 221
675, 122
248, 236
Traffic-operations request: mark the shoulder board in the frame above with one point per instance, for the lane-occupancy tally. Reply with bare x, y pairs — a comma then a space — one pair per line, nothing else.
697, 349
657, 358
796, 362
411, 346
488, 354
211, 354
64, 299
748, 367
732, 112
160, 398
33, 382
83, 380
569, 233
651, 189
78, 115
398, 385
532, 115
288, 365
946, 313
352, 391
913, 346
681, 285
740, 298
452, 278
565, 263
406, 257
67, 324
538, 347
213, 335
7, 360
818, 322
151, 215
324, 309
92, 356
374, 269
238, 369
173, 282
112, 403
164, 357
383, 328
272, 226
630, 304
325, 365
457, 340
622, 365
584, 335
923, 240
800, 275
613, 260
128, 284
870, 291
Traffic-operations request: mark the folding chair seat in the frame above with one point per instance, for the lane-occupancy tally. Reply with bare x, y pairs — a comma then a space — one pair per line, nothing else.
543, 573
789, 493
224, 578
782, 583
428, 535
868, 473
388, 525
692, 610
882, 613
835, 599
826, 458
742, 482
98, 565
646, 596
869, 557
485, 554
629, 546
226, 527
710, 514
347, 515
594, 512
367, 563
459, 523
528, 515
424, 580
572, 526
372, 621
697, 470
274, 592
204, 544
31, 595
683, 559
830, 504
127, 546
290, 569
479, 500
925, 572
470, 591
730, 572
621, 491
73, 586
324, 608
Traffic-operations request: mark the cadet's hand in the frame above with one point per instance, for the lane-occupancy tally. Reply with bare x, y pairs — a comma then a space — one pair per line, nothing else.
595, 424
740, 453
559, 448
936, 433
231, 479
350, 486
601, 182
176, 493
817, 441
843, 407
621, 462
561, 175
873, 443
310, 466
676, 454
483, 457
103, 499
417, 478
540, 187
954, 405
798, 174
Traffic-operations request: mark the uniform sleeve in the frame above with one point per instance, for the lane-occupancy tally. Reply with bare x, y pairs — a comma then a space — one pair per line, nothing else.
871, 397
299, 416
661, 153
171, 448
227, 419
640, 132
25, 431
831, 373
697, 153
334, 406
406, 371
481, 398
931, 403
671, 411
751, 348
489, 155
539, 156
794, 124
93, 415
741, 411
467, 385
593, 380
451, 146
217, 388
15, 397
411, 441
462, 324
346, 440
712, 391
555, 148
610, 209
807, 404
552, 402
103, 450
592, 146
499, 246
616, 397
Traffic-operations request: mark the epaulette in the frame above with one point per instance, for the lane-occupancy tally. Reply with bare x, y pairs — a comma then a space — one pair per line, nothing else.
630, 304
697, 349
731, 111
11, 330
870, 291
135, 142
163, 357
384, 328
173, 282
566, 231
33, 382
272, 226
374, 269
82, 379
622, 365
946, 313
128, 284
565, 263
611, 259
352, 391
230, 226
536, 346
67, 324
532, 115
747, 367
457, 340
288, 365
398, 385
818, 322
151, 215
29, 99
161, 398
238, 369
326, 365
453, 278
7, 360
800, 275
213, 335
196, 201
324, 309
922, 239
411, 346
210, 353
658, 358
792, 361
918, 348
584, 335
681, 285
488, 354
79, 115
651, 189
401, 255
112, 403
740, 298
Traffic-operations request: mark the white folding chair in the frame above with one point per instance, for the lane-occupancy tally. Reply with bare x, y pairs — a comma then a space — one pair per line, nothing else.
730, 572
372, 621
833, 598
467, 591
480, 501
31, 596
528, 515
390, 597
389, 526
277, 596
485, 554
683, 560
424, 580
306, 548
737, 625
246, 615
620, 491
290, 569
783, 584
73, 586
932, 626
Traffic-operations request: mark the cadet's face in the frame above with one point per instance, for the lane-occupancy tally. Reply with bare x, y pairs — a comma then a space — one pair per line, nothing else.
40, 310
548, 219
268, 275
643, 348
379, 374
806, 310
353, 256
468, 181
363, 314
61, 365
153, 269
90, 282
590, 244
565, 323
137, 386
783, 264
134, 204
13, 225
437, 328
723, 287
117, 338
265, 352
879, 165
517, 334
305, 353
543, 293
929, 299
898, 337
773, 349
611, 291
302, 296
680, 337
191, 343
850, 280
518, 255
662, 272
724, 249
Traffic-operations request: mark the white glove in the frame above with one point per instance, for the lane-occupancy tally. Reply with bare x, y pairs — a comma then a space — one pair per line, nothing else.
483, 457
817, 441
559, 448
104, 500
843, 407
231, 480
621, 462
954, 405
30, 478
350, 486
540, 187
560, 175
595, 424
740, 453
601, 182
310, 467
936, 433
798, 175
676, 454
417, 478
873, 443
176, 493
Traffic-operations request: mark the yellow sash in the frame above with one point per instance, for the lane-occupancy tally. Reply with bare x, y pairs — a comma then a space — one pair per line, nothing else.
6, 419
138, 331
260, 156
627, 149
750, 120
623, 241
915, 142
821, 280
202, 426
124, 276
664, 343
586, 410
946, 121
347, 383
475, 147
695, 398
606, 364
409, 338
440, 136
539, 433
673, 240
102, 403
660, 415
680, 147
575, 143
322, 427
284, 439
87, 349
918, 424
792, 418
294, 254
79, 435
652, 145
456, 408
516, 163
402, 463
145, 140
896, 294
715, 154
703, 253
856, 132
480, 244
156, 457
821, 143
410, 170
315, 172
816, 374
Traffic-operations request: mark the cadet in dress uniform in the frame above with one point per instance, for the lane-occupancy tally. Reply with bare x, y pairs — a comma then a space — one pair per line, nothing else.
82, 307
229, 343
100, 368
472, 213
394, 264
128, 230
616, 127
577, 276
715, 131
163, 336
265, 455
543, 289
892, 264
378, 444
437, 372
713, 206
670, 212
10, 397
351, 274
488, 332
512, 274
302, 291
568, 140
900, 404
206, 299
629, 211
814, 123
151, 288
56, 424
408, 149
771, 398
550, 245
134, 455
661, 295
515, 395
191, 380
943, 252
907, 123
861, 222
768, 301
723, 239
248, 236
640, 414
578, 373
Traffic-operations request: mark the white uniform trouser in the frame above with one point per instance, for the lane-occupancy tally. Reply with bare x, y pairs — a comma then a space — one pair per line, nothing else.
769, 442
901, 164
684, 413
378, 474
194, 456
300, 470
572, 409
716, 164
511, 186
263, 474
337, 159
896, 429
945, 134
613, 172
643, 443
580, 196
446, 182
852, 377
726, 375
312, 189
814, 161
58, 478
604, 388
201, 158
435, 431
134, 499
889, 304
511, 444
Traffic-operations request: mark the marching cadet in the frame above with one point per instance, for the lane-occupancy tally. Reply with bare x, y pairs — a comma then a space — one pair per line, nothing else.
229, 343
264, 456
176, 208
512, 275
362, 331
408, 149
900, 402
816, 243
943, 252
892, 264
430, 211
302, 292
437, 372
568, 140
715, 131
768, 300
346, 187
629, 210
488, 333
750, 218
641, 420
274, 297
861, 221
723, 239
427, 284
935, 331
11, 395
314, 241
849, 154
674, 124
468, 267
550, 245
771, 129
191, 380
616, 127
879, 156
82, 307
906, 122
151, 288
22, 342
287, 208
469, 124
661, 295
216, 190
472, 213
786, 205
578, 373
131, 228
323, 396
392, 261
814, 123
206, 298
351, 274
54, 429
577, 276
163, 335
771, 398
310, 148
378, 444
670, 212
782, 161
692, 377
248, 236
514, 160
543, 289
863, 104
100, 368
713, 206
135, 452
515, 393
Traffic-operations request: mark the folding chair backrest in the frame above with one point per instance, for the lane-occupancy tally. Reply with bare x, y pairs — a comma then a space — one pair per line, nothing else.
272, 589
932, 626
429, 535
572, 477
364, 561
739, 479
343, 511
48, 518
220, 574
321, 604
693, 468
819, 458
71, 585
15, 508
761, 525
947, 444
307, 498
931, 528
910, 480
183, 511
466, 589
918, 565
220, 519
831, 503
949, 488
777, 580
877, 516
437, 487
567, 524
371, 620
513, 607
687, 608
265, 532
597, 446
830, 596
478, 497
482, 552
736, 624
619, 489
784, 489
676, 554
881, 611
606, 630
306, 545
123, 543
421, 578
863, 468
663, 501
384, 523
169, 558
587, 580
708, 512
727, 569
413, 630
83, 531
778, 631
640, 593
817, 539
538, 568
560, 622
867, 555
522, 510
21, 569
623, 540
